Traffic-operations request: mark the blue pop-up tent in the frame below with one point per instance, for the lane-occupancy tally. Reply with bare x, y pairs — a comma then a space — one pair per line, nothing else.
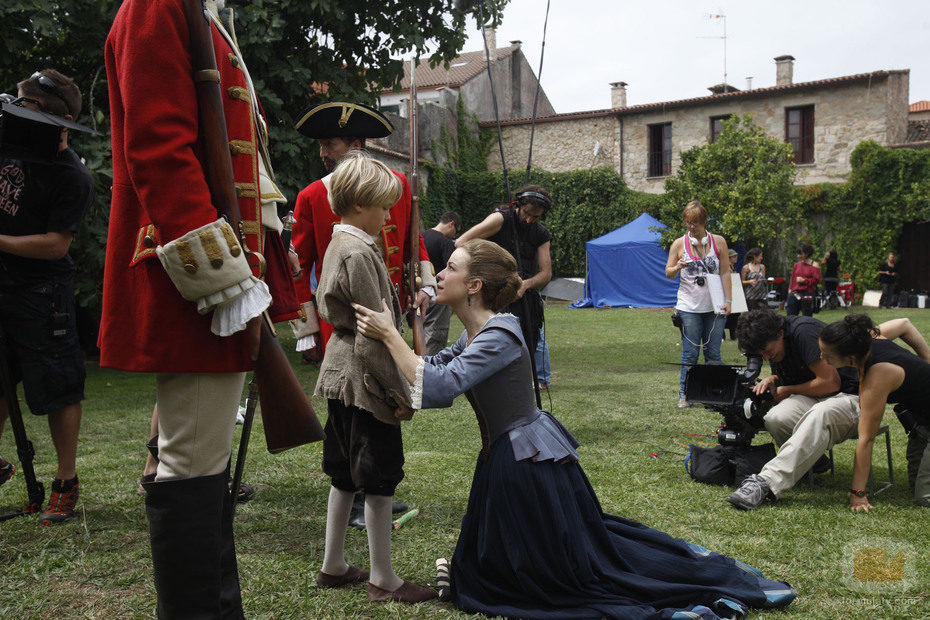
626, 268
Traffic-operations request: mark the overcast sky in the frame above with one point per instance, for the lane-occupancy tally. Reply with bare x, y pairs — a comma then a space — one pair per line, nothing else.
670, 49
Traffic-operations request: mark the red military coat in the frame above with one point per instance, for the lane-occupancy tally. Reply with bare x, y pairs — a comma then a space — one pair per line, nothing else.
314, 228
159, 191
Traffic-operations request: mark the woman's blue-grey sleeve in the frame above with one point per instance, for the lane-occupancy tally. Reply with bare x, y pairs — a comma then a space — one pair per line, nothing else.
490, 351
449, 353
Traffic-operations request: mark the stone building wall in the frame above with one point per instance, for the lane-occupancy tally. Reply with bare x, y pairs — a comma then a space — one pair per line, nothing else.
435, 116
560, 146
515, 86
844, 115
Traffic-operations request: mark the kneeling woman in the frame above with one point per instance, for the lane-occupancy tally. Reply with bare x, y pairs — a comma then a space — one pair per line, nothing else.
888, 374
534, 541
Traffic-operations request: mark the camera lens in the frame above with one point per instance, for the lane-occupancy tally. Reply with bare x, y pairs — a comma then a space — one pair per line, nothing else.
699, 280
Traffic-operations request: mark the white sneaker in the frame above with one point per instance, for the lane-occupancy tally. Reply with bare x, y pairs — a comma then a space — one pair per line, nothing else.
683, 403
751, 493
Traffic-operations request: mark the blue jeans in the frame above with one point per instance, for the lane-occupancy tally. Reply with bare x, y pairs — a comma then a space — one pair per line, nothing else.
699, 330
541, 355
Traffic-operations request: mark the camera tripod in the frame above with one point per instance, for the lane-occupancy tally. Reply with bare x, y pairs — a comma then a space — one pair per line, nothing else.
24, 448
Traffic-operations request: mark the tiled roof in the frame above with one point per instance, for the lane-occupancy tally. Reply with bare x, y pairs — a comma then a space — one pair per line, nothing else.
460, 70
920, 106
755, 93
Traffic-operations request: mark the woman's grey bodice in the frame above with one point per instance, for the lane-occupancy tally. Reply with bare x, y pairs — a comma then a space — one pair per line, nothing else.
495, 374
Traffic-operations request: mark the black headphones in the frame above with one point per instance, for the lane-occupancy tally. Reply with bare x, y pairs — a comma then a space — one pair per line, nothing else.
537, 195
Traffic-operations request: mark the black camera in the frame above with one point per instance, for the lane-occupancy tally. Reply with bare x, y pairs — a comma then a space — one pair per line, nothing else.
728, 391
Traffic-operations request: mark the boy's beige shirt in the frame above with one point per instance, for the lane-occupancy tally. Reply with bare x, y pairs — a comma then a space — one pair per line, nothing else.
358, 370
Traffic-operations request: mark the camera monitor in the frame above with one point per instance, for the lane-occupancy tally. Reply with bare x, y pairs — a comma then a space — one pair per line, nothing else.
713, 384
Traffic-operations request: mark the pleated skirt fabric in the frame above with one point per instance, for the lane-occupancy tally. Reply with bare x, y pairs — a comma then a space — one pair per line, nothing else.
535, 544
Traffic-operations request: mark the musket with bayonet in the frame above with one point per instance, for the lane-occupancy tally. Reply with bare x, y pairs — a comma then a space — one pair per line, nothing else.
413, 229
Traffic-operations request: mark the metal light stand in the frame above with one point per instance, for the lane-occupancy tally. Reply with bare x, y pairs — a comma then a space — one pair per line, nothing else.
24, 448
250, 401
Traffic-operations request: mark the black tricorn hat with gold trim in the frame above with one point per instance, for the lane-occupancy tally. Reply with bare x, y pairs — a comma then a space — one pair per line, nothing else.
340, 119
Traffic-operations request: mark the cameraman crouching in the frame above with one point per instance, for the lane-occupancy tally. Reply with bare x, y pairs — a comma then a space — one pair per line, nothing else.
815, 405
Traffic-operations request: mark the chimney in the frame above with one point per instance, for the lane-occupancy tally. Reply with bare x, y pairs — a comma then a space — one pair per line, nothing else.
784, 70
618, 94
490, 39
749, 82
517, 42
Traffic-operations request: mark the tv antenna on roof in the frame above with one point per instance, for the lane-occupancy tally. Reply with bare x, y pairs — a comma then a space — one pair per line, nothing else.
720, 15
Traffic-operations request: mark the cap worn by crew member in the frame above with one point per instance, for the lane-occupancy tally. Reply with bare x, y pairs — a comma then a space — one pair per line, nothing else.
340, 119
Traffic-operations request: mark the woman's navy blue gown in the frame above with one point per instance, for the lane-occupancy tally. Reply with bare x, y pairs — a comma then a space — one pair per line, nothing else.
534, 541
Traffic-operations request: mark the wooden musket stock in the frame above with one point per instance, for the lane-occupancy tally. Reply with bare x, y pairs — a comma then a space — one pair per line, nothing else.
288, 417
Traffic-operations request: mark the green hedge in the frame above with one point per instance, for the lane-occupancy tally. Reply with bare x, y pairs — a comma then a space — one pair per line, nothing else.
863, 218
587, 204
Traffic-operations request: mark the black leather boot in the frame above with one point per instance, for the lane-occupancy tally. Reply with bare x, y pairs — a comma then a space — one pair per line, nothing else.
187, 533
230, 594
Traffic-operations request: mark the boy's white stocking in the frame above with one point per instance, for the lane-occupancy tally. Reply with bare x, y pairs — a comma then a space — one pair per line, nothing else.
337, 520
379, 525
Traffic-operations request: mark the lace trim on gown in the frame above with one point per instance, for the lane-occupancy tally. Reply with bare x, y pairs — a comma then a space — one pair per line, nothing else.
416, 388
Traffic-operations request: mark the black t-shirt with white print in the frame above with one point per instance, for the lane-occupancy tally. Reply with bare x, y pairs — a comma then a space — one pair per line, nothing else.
36, 198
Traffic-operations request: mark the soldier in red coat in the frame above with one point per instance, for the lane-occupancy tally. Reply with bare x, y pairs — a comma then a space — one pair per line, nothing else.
180, 299
340, 127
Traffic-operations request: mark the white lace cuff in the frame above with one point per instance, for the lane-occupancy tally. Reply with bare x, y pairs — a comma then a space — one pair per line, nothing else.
306, 343
231, 316
416, 388
208, 265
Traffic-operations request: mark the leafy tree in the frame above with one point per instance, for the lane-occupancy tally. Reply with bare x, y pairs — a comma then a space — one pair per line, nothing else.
745, 179
302, 52
299, 52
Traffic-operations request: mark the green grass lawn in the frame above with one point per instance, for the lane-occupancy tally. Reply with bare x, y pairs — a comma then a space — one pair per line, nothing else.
611, 386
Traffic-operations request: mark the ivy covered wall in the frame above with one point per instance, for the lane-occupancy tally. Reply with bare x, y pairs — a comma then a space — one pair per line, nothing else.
862, 219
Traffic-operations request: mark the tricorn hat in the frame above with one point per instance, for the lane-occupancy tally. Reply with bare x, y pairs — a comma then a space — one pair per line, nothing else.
339, 119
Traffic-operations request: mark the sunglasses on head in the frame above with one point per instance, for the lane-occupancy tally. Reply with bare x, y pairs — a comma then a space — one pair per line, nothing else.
48, 85
19, 101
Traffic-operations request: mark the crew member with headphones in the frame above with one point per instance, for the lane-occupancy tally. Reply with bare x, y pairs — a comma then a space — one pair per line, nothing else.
519, 223
699, 257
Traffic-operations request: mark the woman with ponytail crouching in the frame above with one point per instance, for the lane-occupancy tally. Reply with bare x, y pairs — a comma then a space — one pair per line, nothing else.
887, 374
534, 542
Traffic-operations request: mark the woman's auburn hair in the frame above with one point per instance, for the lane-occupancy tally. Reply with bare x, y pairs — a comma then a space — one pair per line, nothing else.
496, 269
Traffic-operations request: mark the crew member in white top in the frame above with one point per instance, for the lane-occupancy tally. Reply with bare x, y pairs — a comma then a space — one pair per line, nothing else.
696, 258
